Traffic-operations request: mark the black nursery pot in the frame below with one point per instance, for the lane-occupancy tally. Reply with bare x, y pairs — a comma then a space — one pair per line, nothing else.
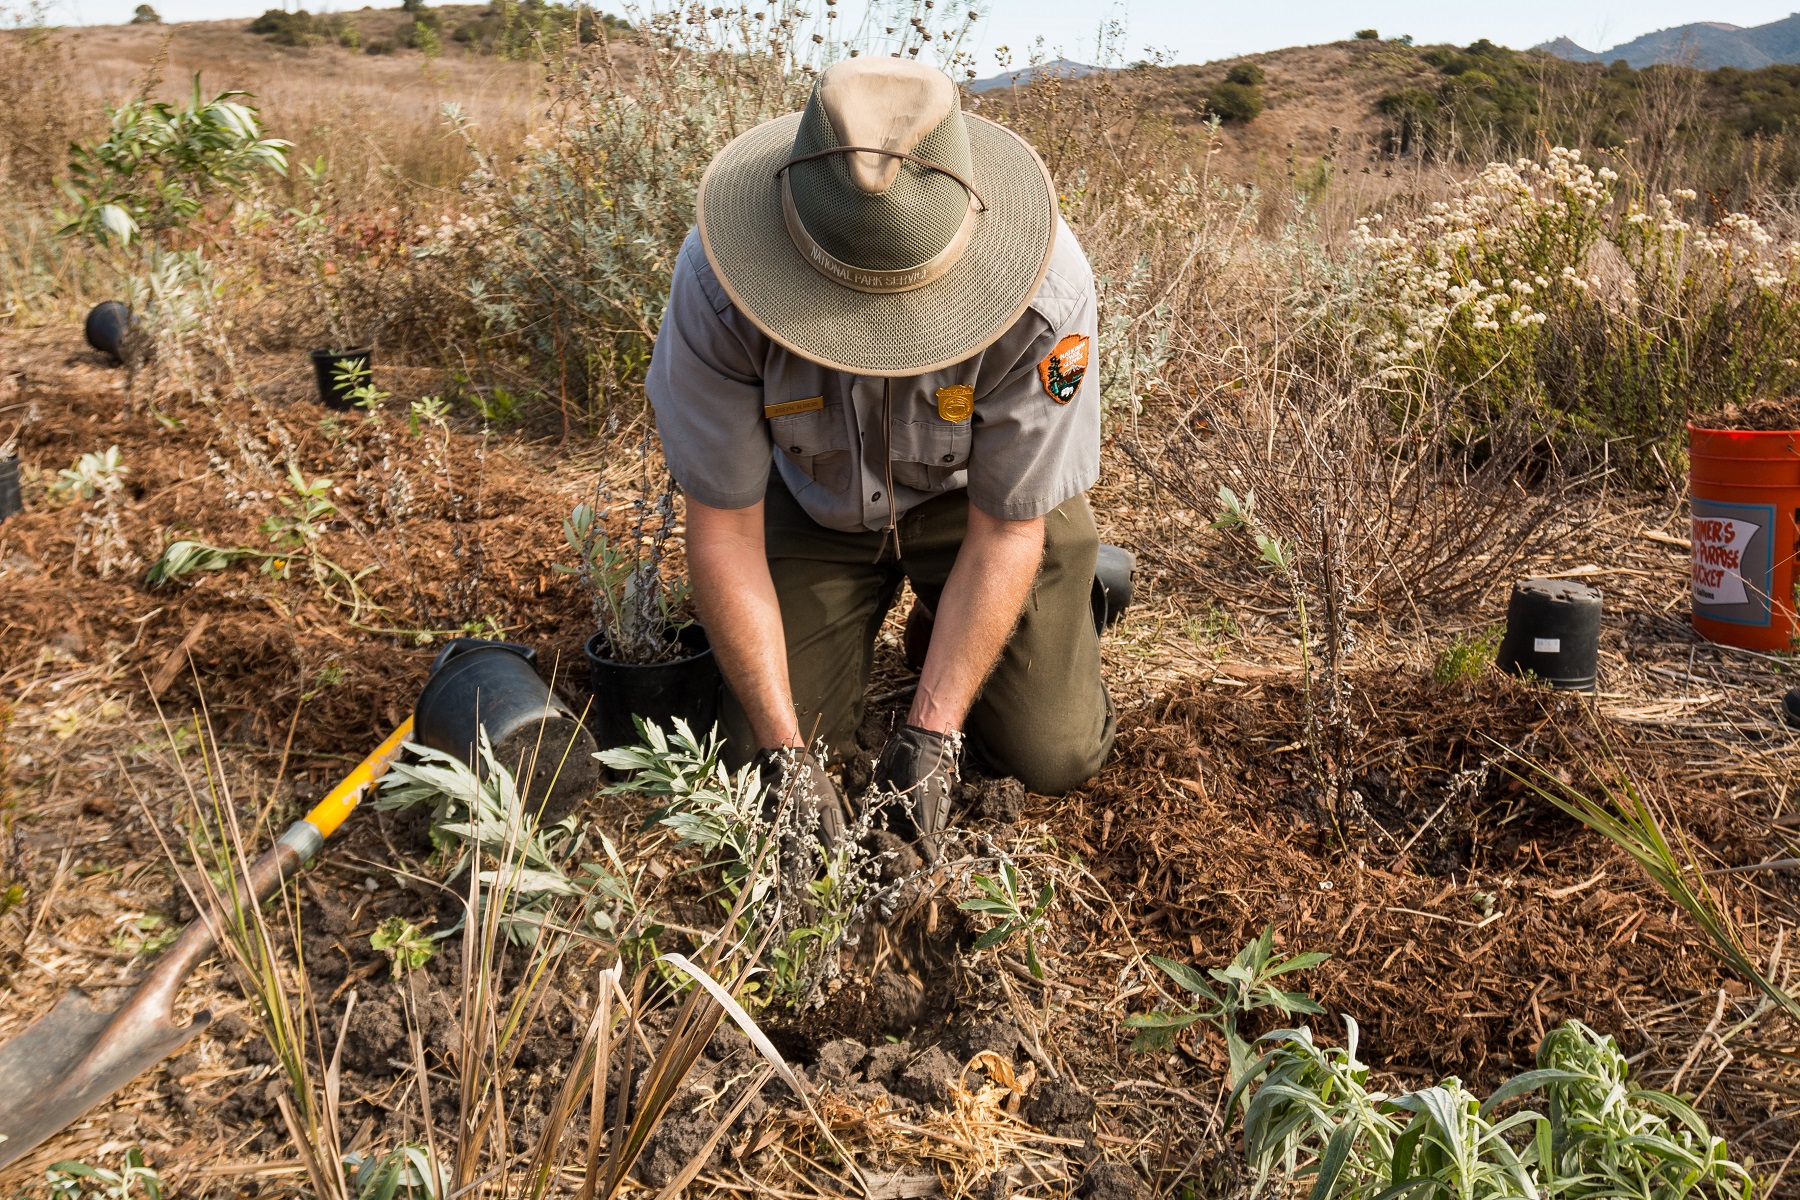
9, 486
1114, 570
684, 687
1553, 632
107, 324
495, 686
334, 392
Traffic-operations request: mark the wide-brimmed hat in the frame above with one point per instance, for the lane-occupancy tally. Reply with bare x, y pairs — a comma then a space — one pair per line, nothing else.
882, 230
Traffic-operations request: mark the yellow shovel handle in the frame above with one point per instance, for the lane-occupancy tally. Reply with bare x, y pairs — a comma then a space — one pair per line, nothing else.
330, 812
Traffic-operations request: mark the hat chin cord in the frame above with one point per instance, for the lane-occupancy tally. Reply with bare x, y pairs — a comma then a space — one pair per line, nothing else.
866, 279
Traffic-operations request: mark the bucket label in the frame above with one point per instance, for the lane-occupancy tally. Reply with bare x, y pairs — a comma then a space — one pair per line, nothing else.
1733, 563
1546, 645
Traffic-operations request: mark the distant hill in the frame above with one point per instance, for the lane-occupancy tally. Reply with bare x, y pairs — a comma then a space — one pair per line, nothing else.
1706, 45
1063, 67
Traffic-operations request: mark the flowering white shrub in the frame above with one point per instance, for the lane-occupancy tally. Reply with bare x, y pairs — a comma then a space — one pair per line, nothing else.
1462, 293
1552, 284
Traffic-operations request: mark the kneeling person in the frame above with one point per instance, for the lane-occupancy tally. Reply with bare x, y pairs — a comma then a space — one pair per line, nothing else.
881, 299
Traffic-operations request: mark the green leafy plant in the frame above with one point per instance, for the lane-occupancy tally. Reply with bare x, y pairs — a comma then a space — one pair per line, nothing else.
803, 913
305, 520
1004, 895
1311, 1116
71, 1180
539, 871
1465, 658
635, 602
93, 475
1243, 986
403, 1173
160, 164
144, 935
427, 411
1238, 103
356, 379
297, 534
707, 806
406, 945
1609, 1137
186, 557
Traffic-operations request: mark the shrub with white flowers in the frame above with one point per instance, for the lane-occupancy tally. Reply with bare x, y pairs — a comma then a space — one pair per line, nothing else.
1618, 313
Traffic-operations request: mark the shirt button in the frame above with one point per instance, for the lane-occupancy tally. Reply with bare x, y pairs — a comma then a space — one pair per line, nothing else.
949, 458
876, 496
793, 449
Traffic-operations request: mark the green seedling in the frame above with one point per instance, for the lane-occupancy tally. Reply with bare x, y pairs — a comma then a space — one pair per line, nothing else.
406, 945
1463, 660
1004, 896
1243, 986
356, 380
92, 475
144, 935
403, 1173
70, 1180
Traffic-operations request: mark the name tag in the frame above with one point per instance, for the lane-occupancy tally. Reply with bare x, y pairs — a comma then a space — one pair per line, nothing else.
788, 408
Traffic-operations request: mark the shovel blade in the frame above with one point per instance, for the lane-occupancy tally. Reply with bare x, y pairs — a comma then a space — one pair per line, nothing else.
71, 1059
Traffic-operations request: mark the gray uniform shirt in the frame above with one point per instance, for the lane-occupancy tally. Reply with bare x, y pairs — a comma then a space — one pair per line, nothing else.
729, 401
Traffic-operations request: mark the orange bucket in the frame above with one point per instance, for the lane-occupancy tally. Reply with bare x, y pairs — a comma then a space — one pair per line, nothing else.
1745, 498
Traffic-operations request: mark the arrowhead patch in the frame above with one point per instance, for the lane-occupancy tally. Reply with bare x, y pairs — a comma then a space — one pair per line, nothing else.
1063, 368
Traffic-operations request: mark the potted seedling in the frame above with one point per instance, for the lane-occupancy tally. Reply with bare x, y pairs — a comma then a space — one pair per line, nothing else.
343, 376
645, 659
307, 237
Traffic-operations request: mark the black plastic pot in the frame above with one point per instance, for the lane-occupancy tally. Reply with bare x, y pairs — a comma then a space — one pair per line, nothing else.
107, 324
1553, 632
495, 686
1113, 571
1790, 707
685, 687
334, 392
9, 486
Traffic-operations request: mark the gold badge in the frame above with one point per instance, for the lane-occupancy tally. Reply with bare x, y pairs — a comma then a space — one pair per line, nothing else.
956, 403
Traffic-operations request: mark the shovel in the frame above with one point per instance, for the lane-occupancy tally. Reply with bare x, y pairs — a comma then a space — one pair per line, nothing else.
79, 1053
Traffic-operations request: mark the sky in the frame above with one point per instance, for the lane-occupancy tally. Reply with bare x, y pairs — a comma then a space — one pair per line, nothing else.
1190, 31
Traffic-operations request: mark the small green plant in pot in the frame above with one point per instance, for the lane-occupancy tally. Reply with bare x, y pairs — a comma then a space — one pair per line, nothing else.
645, 658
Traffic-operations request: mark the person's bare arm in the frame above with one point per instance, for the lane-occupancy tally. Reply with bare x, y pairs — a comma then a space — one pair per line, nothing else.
736, 598
981, 603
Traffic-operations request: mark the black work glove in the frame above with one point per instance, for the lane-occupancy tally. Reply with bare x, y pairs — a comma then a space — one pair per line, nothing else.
813, 801
915, 780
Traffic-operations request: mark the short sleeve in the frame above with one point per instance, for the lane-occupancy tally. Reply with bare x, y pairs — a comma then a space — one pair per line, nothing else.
1037, 428
707, 391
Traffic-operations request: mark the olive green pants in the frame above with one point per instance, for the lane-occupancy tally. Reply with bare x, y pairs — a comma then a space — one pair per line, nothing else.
1043, 716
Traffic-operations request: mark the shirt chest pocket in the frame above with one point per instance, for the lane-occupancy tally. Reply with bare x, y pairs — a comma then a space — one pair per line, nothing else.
817, 443
928, 455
